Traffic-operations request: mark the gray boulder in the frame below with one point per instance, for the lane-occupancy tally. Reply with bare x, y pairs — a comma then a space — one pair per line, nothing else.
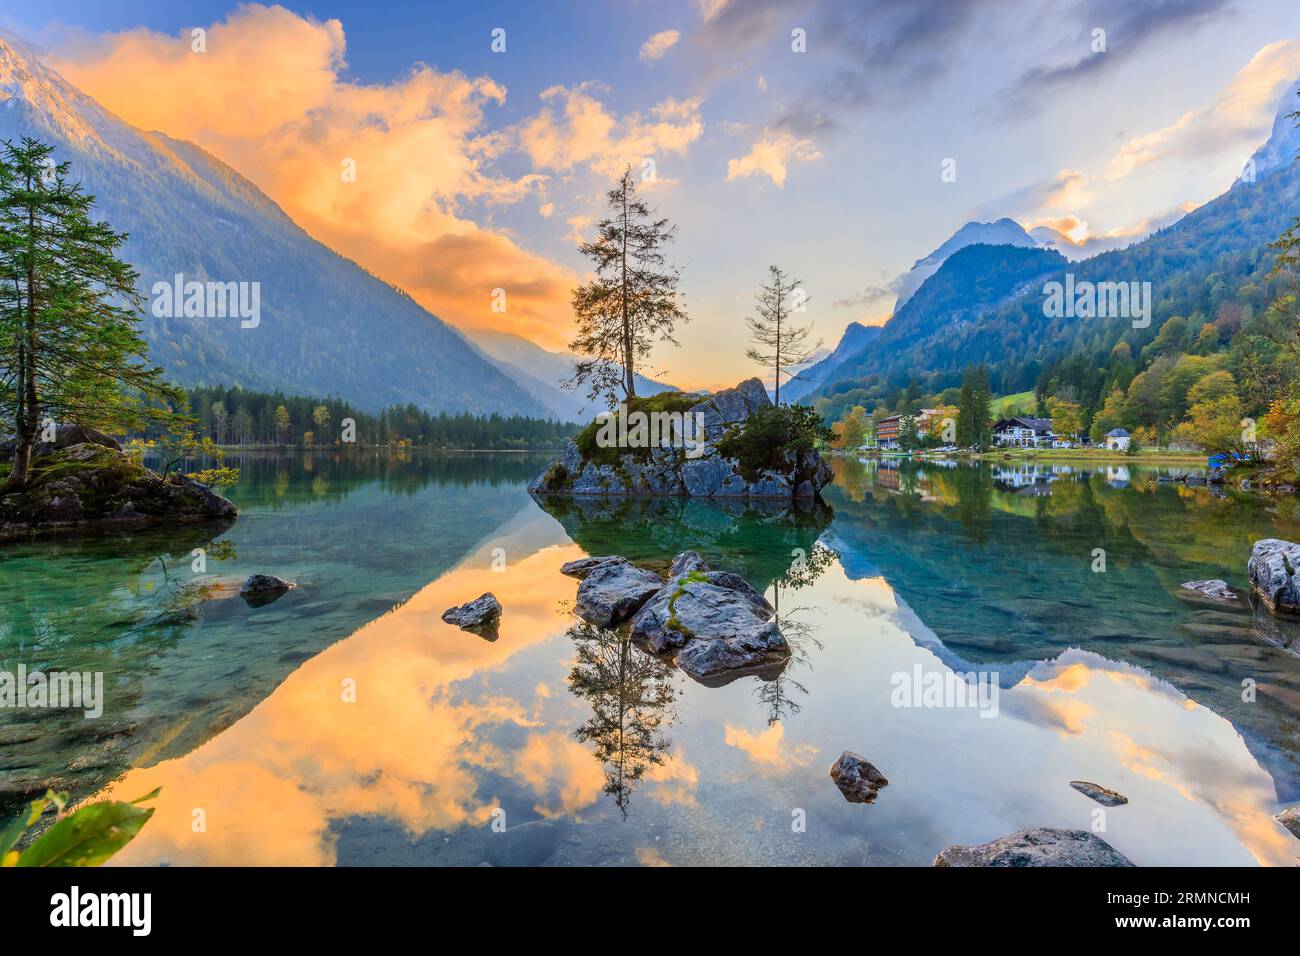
701, 604
1215, 589
65, 436
483, 611
584, 566
762, 651
1107, 798
1037, 846
1273, 566
613, 591
1290, 818
731, 406
261, 589
857, 778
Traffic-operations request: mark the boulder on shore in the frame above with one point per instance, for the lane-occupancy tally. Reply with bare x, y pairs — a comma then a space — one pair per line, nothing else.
88, 485
857, 778
1273, 567
483, 611
1037, 846
584, 566
700, 471
1104, 796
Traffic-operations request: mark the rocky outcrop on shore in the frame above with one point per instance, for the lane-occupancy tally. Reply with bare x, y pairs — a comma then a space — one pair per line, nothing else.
702, 472
1274, 569
1037, 846
92, 484
714, 625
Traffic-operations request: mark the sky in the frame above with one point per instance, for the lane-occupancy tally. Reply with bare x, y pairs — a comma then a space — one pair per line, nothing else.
900, 120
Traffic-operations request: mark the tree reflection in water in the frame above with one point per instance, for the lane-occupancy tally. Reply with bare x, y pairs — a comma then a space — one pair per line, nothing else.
632, 696
777, 695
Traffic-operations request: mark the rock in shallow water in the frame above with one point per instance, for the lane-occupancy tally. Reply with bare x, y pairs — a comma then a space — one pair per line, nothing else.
261, 589
584, 566
1273, 567
613, 591
1037, 846
857, 778
483, 611
1290, 818
1214, 589
1107, 798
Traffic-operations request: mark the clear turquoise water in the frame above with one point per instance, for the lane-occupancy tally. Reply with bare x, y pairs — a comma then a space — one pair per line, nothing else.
346, 723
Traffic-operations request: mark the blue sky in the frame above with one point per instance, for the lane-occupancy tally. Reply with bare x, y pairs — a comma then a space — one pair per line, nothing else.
826, 162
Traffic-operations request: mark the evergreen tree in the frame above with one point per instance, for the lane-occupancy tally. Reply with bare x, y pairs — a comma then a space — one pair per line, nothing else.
975, 418
781, 344
70, 348
632, 300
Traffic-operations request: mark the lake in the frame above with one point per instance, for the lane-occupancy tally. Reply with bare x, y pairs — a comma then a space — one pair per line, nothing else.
346, 724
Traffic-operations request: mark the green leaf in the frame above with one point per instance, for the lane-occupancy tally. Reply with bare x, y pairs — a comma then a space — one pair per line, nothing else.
88, 836
11, 834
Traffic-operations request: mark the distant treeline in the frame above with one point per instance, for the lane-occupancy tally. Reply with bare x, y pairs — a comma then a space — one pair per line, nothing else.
236, 416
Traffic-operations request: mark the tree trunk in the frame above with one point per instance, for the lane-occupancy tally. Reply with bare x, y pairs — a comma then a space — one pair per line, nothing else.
26, 384
629, 379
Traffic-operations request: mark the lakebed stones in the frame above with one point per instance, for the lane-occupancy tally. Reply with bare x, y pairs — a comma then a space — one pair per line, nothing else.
1104, 796
1037, 846
716, 626
1273, 567
262, 589
482, 612
1214, 589
857, 778
699, 472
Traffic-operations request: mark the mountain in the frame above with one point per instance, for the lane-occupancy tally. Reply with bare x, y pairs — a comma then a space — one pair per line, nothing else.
1210, 267
327, 327
542, 373
1003, 232
856, 338
1283, 143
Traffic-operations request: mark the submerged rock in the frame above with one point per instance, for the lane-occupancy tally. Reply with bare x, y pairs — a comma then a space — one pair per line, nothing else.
1037, 846
613, 591
857, 778
1273, 566
1290, 818
262, 589
1214, 589
1107, 798
483, 611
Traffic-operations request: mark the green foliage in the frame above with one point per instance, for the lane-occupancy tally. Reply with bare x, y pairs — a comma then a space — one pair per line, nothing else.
769, 433
236, 416
669, 402
70, 346
974, 417
88, 836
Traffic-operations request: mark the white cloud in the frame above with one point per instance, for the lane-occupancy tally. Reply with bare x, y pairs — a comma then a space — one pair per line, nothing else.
659, 44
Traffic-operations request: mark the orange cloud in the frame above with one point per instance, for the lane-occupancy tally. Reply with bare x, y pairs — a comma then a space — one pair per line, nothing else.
771, 156
382, 173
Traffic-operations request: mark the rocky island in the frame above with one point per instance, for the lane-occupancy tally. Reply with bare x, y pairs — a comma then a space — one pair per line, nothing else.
733, 444
82, 480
